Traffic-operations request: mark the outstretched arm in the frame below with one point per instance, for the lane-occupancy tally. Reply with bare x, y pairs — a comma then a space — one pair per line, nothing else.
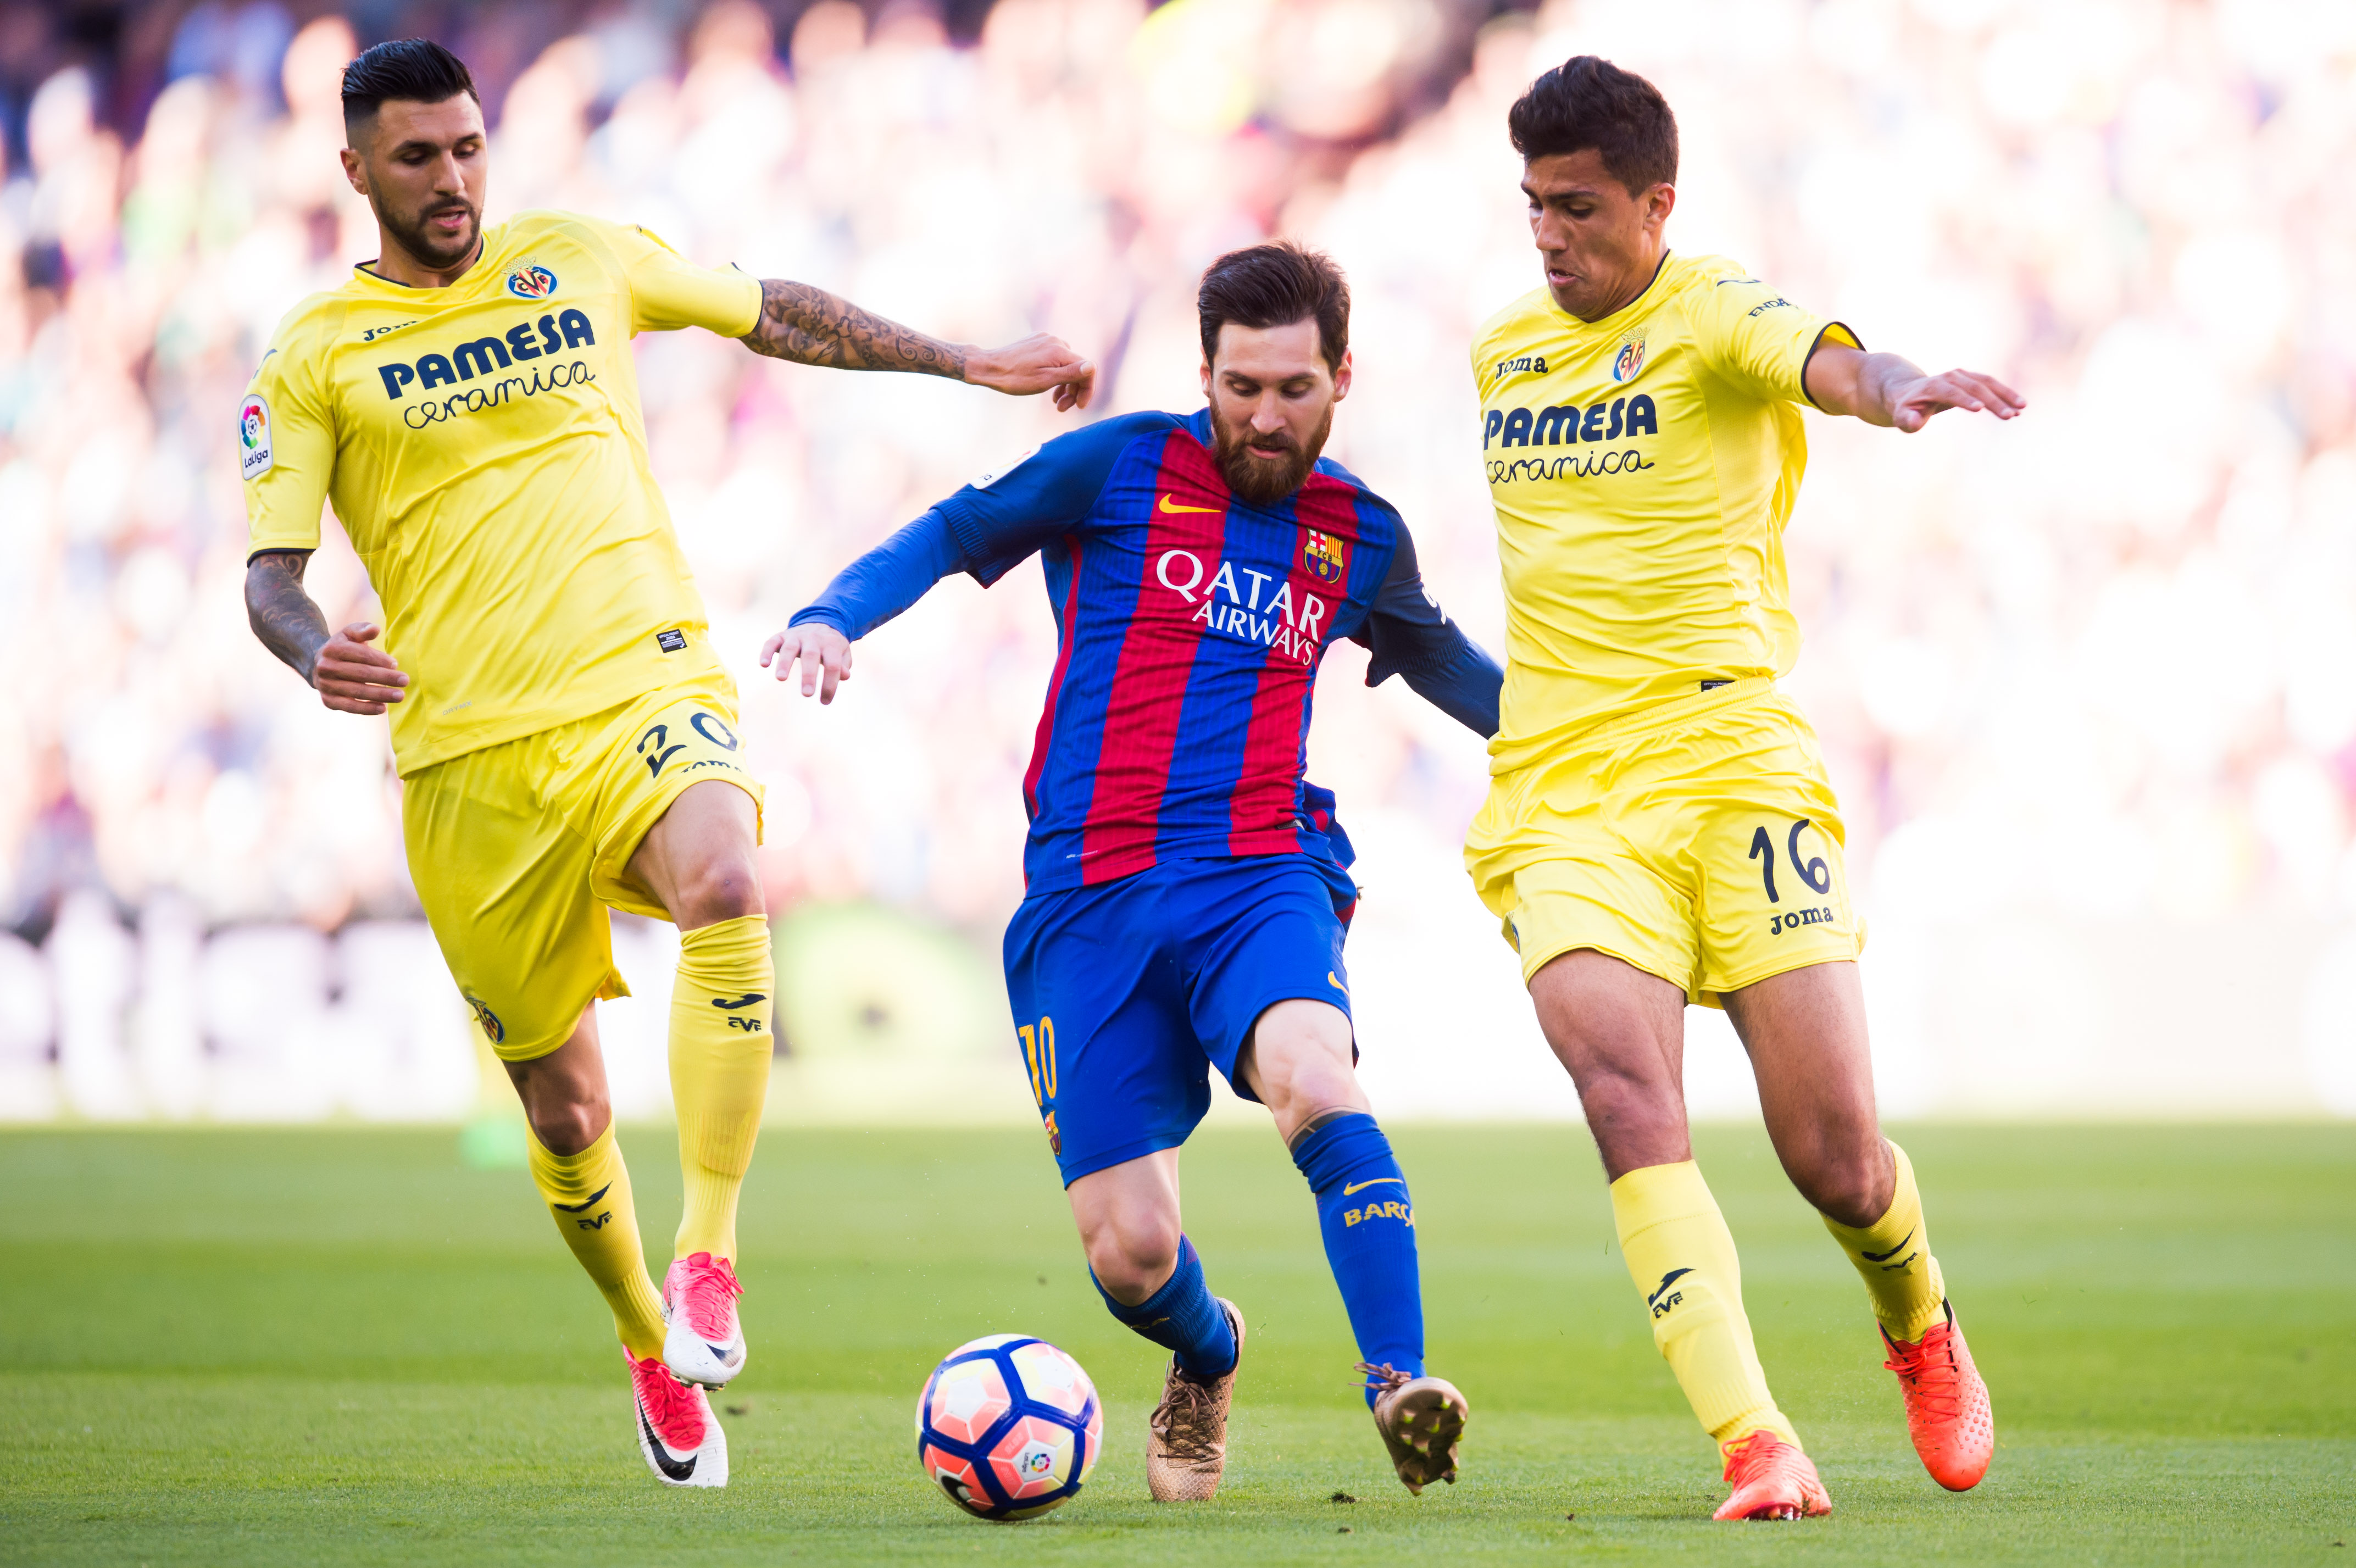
862, 596
1884, 390
349, 676
1410, 636
811, 326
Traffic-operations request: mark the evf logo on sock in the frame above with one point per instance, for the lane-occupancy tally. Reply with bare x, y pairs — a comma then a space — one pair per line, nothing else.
580, 1212
1663, 1299
1882, 1260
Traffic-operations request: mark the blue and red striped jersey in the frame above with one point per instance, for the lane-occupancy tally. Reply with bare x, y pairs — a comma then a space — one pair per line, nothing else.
1190, 626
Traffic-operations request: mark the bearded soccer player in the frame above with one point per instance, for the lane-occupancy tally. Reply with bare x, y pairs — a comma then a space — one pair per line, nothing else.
1660, 828
564, 729
1187, 891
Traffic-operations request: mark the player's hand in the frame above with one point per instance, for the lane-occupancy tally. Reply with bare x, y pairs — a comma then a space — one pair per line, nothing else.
1912, 404
1039, 363
351, 677
824, 653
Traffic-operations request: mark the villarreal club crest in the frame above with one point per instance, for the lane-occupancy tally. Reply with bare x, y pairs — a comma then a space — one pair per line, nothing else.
531, 280
1325, 558
1009, 1427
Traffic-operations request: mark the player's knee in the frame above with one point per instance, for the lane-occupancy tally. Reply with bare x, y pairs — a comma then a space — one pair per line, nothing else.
1301, 1058
725, 888
1132, 1257
1849, 1189
1619, 1086
569, 1127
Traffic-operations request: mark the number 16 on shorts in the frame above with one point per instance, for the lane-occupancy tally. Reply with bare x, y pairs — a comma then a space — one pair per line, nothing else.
1808, 878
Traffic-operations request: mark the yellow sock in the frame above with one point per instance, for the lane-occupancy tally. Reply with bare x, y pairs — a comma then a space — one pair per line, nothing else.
589, 1195
720, 1011
1681, 1256
1893, 1254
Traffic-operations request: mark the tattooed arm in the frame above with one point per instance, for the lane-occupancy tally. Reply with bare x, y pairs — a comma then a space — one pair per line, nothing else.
349, 676
811, 326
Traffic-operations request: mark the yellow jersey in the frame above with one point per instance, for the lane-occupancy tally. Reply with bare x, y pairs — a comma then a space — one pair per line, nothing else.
483, 446
1642, 467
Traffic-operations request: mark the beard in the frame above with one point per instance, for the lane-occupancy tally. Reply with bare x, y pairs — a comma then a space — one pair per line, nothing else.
437, 254
1283, 468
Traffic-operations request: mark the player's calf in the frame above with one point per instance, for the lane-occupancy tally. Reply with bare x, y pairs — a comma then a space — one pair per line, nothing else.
1186, 1444
1367, 1219
1946, 1403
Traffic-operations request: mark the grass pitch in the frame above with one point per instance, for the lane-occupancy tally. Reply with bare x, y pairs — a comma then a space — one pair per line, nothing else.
342, 1346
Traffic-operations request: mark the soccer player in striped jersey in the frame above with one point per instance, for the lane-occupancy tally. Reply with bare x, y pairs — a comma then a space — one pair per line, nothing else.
1660, 829
1187, 891
562, 726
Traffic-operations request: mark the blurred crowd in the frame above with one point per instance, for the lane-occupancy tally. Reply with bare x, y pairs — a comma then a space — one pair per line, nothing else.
2101, 659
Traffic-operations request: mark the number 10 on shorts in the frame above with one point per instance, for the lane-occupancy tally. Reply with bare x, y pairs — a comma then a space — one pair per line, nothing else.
1039, 1058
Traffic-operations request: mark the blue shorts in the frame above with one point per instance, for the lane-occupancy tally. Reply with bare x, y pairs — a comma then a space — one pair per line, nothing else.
1126, 994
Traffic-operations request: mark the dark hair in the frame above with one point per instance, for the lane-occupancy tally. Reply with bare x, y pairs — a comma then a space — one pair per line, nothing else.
415, 68
1587, 101
1276, 284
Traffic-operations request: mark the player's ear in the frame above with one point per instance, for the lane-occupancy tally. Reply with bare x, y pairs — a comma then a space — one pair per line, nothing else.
1659, 202
1206, 381
355, 169
1342, 378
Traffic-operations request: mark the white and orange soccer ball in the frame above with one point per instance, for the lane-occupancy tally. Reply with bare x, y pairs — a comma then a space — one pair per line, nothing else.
1009, 1427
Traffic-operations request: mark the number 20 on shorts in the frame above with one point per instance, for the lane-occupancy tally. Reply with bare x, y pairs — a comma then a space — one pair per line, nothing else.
1039, 1057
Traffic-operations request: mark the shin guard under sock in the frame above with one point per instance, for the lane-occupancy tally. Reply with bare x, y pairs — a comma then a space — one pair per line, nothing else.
589, 1195
1368, 1223
721, 1012
1893, 1255
1681, 1256
1182, 1318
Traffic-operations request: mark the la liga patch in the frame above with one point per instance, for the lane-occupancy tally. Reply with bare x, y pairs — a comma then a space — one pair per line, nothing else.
254, 436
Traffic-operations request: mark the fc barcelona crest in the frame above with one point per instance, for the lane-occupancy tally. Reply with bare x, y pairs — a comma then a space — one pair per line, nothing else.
1325, 558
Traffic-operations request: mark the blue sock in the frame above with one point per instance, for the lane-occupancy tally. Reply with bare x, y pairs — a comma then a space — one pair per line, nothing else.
1369, 1225
1182, 1318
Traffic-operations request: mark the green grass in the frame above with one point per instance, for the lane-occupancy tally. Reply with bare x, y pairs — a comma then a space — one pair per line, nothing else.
342, 1346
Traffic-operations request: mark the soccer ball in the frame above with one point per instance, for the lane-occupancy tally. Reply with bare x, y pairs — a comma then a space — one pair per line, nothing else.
1009, 1426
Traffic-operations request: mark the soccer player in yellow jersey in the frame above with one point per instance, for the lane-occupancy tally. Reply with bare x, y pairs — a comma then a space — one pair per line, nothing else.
1659, 829
564, 732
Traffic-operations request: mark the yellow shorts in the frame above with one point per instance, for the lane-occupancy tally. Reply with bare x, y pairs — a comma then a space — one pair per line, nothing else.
1703, 846
516, 848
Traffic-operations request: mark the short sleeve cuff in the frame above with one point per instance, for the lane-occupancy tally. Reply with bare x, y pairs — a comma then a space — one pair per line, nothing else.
751, 312
1832, 332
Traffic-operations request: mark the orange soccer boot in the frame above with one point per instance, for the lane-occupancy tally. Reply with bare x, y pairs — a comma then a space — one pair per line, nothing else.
1946, 1403
1771, 1479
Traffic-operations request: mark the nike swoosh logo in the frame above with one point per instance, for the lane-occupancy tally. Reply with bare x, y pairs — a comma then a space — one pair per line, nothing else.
677, 1469
1667, 1280
1336, 983
1377, 1181
1723, 281
1170, 505
1885, 1257
746, 1001
719, 1351
579, 1207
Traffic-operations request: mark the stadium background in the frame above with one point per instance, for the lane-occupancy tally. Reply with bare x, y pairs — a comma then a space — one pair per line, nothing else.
2085, 680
